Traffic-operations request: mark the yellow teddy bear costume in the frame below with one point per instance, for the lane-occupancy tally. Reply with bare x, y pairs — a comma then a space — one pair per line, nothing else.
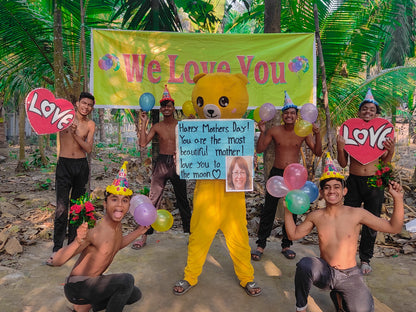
219, 95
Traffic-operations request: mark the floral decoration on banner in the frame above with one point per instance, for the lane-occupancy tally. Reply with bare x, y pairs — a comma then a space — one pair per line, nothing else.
83, 211
383, 175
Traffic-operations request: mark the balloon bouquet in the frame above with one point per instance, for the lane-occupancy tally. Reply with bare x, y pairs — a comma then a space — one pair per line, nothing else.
294, 185
308, 114
145, 214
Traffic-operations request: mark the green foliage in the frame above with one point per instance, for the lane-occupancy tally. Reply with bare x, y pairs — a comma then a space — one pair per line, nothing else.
36, 159
44, 185
145, 191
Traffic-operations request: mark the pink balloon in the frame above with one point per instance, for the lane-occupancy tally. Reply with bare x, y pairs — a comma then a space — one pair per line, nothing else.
145, 214
136, 200
295, 176
276, 186
267, 111
309, 112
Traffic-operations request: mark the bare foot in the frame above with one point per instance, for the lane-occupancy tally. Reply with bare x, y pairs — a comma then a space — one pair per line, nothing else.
82, 308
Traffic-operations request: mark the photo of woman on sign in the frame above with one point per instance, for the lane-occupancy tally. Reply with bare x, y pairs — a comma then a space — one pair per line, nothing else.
239, 177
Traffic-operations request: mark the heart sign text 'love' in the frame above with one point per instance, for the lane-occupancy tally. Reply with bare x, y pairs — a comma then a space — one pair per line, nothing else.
364, 140
47, 114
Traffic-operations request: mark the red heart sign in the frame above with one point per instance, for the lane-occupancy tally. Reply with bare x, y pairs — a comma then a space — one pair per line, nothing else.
47, 114
364, 140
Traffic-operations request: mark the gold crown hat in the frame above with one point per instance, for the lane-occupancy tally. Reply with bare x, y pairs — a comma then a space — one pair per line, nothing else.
288, 103
166, 95
120, 185
330, 171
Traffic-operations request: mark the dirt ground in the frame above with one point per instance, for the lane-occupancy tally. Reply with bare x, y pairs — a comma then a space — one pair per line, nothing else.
27, 202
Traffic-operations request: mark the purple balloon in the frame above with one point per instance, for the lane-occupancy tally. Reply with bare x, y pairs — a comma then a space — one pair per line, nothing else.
136, 200
267, 111
309, 112
145, 214
276, 186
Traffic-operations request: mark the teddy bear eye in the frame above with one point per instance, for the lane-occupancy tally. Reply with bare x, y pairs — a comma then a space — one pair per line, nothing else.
223, 101
200, 101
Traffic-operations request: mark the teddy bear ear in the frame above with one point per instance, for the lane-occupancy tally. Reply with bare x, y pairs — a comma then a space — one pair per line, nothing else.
199, 76
241, 77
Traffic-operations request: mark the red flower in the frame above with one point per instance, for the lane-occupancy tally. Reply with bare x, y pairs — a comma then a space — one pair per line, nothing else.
88, 207
378, 173
76, 217
386, 169
379, 182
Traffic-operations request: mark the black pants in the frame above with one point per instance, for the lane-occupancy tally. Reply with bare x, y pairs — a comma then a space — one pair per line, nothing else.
165, 170
268, 214
111, 292
70, 181
372, 197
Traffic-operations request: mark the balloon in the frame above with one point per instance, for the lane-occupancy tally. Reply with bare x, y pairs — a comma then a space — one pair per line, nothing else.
267, 111
295, 176
164, 221
147, 101
297, 201
309, 112
311, 190
145, 214
188, 108
276, 186
256, 114
303, 128
136, 200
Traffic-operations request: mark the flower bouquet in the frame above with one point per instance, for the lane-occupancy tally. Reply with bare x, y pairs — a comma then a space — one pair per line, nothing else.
383, 175
82, 211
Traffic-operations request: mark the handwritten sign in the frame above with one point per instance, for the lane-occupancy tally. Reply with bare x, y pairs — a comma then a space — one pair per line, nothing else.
47, 114
364, 139
203, 145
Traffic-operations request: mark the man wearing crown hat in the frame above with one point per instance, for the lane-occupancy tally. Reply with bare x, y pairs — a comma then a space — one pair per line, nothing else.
86, 286
338, 228
358, 190
165, 168
287, 151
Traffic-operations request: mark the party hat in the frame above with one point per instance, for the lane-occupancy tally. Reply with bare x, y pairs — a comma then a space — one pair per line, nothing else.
369, 98
120, 185
288, 103
330, 171
166, 95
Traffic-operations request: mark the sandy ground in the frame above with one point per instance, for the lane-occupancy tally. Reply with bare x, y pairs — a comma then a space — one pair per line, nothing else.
39, 288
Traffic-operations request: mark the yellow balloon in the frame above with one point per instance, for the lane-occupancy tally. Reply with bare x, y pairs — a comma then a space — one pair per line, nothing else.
188, 108
256, 114
303, 128
164, 221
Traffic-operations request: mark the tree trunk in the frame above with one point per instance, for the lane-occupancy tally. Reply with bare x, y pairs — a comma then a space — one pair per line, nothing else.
21, 165
41, 140
324, 86
58, 59
4, 147
272, 13
101, 122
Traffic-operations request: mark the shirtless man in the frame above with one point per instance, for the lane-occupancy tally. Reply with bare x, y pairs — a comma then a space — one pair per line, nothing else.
338, 229
72, 170
358, 189
86, 286
165, 168
287, 151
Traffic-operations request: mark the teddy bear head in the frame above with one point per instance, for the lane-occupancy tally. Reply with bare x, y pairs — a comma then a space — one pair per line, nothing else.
220, 95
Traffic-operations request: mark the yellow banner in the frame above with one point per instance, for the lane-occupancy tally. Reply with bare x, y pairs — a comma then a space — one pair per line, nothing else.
127, 64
